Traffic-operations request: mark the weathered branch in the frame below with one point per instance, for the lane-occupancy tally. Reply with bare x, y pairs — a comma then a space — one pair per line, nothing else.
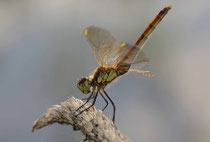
92, 123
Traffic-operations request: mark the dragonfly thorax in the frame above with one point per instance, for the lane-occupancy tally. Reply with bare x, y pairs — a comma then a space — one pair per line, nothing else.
101, 77
105, 75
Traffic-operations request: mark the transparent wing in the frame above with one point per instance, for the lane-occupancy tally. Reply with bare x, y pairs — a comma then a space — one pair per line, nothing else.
133, 57
105, 47
126, 54
138, 63
130, 55
141, 72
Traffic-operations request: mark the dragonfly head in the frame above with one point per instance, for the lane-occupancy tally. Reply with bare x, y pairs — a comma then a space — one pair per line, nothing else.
84, 85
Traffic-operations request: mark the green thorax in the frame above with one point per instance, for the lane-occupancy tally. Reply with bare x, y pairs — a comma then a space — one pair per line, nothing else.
104, 75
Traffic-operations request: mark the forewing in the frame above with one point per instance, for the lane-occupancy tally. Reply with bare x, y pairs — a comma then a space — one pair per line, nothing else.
105, 47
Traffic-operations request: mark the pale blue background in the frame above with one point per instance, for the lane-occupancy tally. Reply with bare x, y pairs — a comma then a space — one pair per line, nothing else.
43, 53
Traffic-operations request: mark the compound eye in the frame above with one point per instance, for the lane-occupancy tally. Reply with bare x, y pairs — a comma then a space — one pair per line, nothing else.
82, 81
84, 85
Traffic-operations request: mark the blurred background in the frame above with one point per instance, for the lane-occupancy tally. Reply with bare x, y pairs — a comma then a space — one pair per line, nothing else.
43, 53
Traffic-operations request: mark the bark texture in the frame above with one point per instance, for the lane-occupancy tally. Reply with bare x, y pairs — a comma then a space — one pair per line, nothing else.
92, 123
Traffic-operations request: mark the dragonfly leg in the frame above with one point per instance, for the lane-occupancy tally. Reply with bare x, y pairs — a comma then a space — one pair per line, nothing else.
91, 95
107, 103
95, 97
114, 108
87, 98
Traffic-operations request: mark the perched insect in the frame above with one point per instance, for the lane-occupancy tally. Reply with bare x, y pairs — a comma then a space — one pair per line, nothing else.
114, 60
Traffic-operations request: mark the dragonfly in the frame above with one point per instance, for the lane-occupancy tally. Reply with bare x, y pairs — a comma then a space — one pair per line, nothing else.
114, 60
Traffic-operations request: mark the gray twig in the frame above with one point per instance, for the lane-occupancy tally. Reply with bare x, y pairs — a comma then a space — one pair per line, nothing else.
92, 123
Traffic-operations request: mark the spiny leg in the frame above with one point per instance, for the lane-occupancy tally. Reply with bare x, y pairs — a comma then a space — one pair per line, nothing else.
90, 105
104, 100
86, 101
114, 108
